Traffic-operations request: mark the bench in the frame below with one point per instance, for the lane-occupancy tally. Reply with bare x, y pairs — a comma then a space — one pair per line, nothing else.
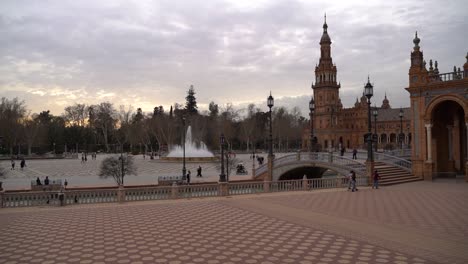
170, 180
54, 185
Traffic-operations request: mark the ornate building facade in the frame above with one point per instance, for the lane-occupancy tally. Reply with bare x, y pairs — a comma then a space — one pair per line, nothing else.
334, 126
439, 104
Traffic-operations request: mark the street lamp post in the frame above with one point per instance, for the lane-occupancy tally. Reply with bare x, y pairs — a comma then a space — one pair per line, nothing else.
122, 164
375, 113
222, 176
184, 170
401, 128
270, 103
312, 109
369, 92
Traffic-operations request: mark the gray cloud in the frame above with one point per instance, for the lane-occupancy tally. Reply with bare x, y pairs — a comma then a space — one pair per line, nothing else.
147, 53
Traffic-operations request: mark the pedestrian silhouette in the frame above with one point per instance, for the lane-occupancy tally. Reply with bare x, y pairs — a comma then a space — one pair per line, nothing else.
188, 177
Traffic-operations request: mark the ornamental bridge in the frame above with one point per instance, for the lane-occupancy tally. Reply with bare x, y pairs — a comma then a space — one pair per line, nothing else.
314, 164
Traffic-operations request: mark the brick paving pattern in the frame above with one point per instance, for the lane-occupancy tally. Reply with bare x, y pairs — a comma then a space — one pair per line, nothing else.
181, 232
440, 210
332, 226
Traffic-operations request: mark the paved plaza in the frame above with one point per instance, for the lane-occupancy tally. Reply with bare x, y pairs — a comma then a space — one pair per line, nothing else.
80, 174
419, 222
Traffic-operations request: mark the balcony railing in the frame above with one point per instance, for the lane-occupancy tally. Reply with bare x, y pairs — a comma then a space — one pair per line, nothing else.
449, 76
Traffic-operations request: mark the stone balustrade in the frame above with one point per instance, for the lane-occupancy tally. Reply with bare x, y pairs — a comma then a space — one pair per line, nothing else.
112, 195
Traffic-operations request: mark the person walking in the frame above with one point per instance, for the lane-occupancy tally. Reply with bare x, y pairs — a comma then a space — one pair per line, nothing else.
46, 181
188, 177
23, 163
350, 180
38, 181
354, 153
376, 177
12, 163
199, 170
353, 181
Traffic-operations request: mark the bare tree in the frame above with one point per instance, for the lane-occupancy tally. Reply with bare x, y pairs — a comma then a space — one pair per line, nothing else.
248, 126
117, 167
76, 114
229, 116
11, 114
105, 120
124, 121
31, 127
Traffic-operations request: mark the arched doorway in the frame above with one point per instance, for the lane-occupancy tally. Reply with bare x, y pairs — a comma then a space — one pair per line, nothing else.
448, 138
383, 139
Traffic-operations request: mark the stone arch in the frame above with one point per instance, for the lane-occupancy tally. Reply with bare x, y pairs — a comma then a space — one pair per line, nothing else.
447, 116
383, 138
441, 98
280, 170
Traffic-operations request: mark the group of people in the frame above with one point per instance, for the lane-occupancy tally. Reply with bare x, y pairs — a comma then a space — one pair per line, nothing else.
152, 155
260, 160
352, 180
84, 157
22, 163
46, 181
199, 174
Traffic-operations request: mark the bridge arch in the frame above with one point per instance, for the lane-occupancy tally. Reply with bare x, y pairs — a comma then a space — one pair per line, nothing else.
321, 161
302, 168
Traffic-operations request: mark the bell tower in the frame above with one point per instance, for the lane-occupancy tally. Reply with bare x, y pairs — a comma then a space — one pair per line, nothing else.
418, 72
326, 89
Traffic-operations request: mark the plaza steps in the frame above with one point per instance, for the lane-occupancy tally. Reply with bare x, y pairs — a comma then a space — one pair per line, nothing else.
390, 175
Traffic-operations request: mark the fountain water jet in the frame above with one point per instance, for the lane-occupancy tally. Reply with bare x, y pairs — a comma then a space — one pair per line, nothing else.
192, 151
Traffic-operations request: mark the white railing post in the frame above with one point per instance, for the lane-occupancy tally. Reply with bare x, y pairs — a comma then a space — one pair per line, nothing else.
223, 189
305, 184
2, 195
174, 190
266, 186
121, 194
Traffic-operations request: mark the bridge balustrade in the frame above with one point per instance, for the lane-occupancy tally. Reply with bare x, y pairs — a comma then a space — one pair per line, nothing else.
396, 161
246, 188
148, 193
283, 186
89, 196
189, 191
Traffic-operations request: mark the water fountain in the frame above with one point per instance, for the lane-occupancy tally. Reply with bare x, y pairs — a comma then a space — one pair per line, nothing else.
193, 152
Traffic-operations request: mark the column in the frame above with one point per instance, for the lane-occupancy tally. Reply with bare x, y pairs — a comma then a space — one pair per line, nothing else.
450, 142
466, 150
429, 142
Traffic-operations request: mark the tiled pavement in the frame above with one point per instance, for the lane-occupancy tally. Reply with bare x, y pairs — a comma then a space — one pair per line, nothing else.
390, 225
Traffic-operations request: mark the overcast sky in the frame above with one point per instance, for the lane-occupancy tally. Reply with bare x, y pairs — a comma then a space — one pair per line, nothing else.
148, 53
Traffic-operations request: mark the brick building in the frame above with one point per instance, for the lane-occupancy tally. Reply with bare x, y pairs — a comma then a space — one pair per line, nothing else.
335, 126
439, 104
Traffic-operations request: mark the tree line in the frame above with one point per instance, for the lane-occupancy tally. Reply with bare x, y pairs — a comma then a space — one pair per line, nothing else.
104, 127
